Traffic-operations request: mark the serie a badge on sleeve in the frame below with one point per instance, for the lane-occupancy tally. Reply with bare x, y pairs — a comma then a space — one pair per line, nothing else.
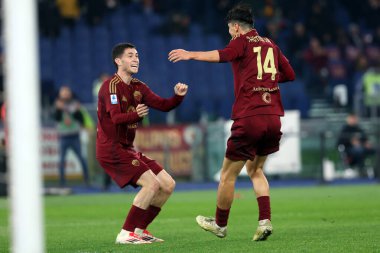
113, 99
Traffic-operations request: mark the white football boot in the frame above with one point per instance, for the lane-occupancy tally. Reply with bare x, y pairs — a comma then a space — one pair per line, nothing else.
209, 224
264, 230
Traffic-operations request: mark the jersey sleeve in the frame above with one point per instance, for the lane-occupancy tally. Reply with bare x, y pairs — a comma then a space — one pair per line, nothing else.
151, 99
112, 101
232, 51
286, 72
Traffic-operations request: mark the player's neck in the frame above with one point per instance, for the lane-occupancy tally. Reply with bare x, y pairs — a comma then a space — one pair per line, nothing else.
242, 32
125, 77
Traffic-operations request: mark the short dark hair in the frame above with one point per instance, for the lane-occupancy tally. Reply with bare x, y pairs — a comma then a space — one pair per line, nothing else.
118, 50
240, 13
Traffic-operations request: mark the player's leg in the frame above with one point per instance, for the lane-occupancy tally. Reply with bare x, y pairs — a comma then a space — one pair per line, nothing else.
226, 189
167, 185
76, 146
261, 188
63, 146
138, 214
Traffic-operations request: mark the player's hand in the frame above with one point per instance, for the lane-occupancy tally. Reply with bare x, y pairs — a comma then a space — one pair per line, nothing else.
177, 55
180, 89
142, 110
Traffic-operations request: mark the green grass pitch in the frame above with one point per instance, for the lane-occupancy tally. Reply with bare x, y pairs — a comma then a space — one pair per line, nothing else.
305, 219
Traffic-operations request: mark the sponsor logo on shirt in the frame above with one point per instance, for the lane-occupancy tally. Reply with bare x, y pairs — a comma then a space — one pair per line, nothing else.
113, 99
265, 89
266, 97
124, 99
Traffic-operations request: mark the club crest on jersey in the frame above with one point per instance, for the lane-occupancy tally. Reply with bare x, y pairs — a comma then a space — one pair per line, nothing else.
135, 162
137, 95
113, 99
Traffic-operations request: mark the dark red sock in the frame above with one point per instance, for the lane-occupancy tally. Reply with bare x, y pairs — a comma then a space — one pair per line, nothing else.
136, 218
264, 207
153, 211
221, 217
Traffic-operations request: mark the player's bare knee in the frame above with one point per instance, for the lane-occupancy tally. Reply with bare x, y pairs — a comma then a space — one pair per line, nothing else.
168, 186
227, 178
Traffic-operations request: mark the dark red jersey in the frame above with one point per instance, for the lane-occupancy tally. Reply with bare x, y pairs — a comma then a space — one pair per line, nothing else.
117, 116
258, 66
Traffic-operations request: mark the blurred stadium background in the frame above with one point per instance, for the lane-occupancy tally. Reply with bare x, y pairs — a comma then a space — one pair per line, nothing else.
334, 47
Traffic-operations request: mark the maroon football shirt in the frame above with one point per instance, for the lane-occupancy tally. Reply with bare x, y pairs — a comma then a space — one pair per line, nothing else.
258, 66
117, 116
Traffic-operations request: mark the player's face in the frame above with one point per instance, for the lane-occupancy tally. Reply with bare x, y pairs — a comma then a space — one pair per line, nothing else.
129, 61
233, 29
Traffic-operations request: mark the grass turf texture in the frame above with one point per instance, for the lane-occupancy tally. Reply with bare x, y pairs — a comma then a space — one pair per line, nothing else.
309, 219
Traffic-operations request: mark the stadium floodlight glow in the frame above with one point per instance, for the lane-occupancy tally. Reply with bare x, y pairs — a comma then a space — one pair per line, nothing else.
22, 101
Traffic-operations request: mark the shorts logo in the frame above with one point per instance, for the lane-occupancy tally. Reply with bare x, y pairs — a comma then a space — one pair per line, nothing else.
113, 99
266, 97
135, 163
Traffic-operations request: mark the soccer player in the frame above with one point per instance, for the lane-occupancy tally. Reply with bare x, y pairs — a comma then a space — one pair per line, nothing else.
258, 66
122, 102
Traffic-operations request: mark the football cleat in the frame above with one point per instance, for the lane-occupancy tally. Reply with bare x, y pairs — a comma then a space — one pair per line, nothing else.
147, 236
126, 237
264, 230
209, 224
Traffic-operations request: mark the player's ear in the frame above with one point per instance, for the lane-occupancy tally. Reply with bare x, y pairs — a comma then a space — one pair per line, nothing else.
118, 61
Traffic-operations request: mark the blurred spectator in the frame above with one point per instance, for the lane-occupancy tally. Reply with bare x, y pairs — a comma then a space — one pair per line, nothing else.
371, 87
97, 84
353, 143
69, 122
372, 13
316, 57
95, 10
297, 42
49, 18
320, 22
176, 23
69, 11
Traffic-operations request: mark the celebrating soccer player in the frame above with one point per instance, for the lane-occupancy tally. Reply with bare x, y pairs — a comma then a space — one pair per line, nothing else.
258, 66
123, 102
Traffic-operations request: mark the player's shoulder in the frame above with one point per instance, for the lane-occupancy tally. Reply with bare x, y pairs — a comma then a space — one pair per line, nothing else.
138, 82
110, 85
254, 37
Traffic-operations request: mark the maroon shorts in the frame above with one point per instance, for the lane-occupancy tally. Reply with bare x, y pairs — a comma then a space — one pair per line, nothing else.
128, 165
254, 135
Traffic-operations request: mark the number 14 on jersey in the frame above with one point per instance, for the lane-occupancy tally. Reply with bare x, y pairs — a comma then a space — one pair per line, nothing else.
268, 66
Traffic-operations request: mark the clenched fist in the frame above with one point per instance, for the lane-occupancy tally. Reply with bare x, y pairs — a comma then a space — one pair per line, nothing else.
180, 89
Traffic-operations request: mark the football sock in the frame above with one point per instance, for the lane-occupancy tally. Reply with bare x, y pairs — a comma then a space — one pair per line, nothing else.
264, 207
221, 216
153, 211
135, 218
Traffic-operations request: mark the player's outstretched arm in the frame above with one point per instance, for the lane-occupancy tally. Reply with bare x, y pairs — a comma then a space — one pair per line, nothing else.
177, 55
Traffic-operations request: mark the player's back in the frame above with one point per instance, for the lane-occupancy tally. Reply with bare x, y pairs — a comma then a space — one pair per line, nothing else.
261, 58
256, 73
